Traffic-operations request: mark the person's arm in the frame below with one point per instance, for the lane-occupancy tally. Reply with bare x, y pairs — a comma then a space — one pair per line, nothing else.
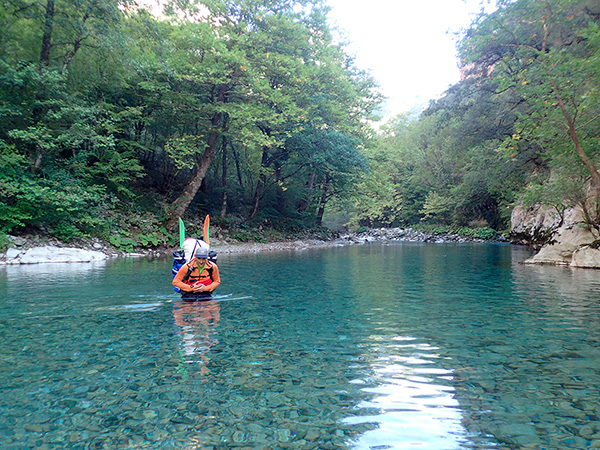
178, 280
216, 279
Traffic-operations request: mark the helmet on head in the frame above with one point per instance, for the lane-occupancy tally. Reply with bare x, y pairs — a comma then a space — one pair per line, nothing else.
201, 252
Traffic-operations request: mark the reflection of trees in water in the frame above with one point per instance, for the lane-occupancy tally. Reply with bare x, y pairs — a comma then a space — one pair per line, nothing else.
198, 324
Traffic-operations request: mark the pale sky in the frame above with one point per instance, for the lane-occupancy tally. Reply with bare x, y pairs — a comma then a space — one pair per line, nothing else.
408, 46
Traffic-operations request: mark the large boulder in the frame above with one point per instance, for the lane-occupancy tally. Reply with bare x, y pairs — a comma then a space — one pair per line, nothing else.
536, 226
50, 254
561, 240
565, 242
587, 257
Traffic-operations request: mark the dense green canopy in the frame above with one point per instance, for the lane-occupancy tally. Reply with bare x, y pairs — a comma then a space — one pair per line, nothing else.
107, 109
116, 122
522, 126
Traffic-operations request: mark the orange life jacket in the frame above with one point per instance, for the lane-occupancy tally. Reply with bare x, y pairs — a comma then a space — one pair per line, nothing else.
194, 277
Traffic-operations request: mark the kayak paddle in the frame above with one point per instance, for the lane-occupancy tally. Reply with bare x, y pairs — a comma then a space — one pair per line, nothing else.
206, 229
181, 233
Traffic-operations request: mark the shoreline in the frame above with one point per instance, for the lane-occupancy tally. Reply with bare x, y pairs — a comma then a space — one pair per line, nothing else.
35, 251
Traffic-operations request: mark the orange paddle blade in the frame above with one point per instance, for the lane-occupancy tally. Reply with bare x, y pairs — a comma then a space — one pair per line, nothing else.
207, 229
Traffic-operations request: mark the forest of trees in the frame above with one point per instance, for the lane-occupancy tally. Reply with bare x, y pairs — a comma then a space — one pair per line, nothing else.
115, 121
523, 125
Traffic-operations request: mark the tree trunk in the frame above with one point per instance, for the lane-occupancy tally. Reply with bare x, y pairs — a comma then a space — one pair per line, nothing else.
303, 204
236, 158
178, 207
589, 164
47, 35
79, 39
44, 62
70, 55
281, 198
262, 181
323, 201
39, 157
224, 179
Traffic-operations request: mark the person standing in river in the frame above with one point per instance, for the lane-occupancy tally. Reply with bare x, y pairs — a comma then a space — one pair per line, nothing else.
199, 278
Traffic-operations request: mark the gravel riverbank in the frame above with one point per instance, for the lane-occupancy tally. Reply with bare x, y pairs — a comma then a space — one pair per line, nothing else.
373, 235
34, 251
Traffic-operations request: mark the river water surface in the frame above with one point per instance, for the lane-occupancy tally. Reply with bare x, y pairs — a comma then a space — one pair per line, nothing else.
400, 346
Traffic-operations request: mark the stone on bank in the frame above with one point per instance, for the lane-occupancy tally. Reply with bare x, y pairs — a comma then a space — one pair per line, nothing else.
51, 254
586, 257
570, 241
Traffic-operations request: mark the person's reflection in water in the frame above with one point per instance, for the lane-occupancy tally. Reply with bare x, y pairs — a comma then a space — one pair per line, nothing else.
198, 324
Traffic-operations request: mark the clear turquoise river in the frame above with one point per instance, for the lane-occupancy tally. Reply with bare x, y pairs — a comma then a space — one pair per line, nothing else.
400, 346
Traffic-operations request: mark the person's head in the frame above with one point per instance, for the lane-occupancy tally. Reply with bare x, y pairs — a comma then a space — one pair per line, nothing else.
201, 253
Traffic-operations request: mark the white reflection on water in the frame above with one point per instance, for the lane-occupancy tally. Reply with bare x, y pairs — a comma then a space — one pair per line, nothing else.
197, 324
51, 272
417, 407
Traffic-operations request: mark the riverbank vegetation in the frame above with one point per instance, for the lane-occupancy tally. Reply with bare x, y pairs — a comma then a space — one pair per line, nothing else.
522, 125
115, 122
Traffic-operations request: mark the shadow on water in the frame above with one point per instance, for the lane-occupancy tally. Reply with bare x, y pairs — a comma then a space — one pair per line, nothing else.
375, 346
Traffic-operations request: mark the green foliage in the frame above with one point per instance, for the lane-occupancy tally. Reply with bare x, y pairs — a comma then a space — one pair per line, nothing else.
4, 242
146, 112
547, 54
437, 229
559, 189
63, 205
246, 236
123, 243
183, 149
478, 233
484, 233
146, 240
428, 170
376, 203
437, 207
125, 104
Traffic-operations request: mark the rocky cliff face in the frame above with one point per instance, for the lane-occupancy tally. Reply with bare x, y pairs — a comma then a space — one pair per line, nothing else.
533, 226
560, 240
